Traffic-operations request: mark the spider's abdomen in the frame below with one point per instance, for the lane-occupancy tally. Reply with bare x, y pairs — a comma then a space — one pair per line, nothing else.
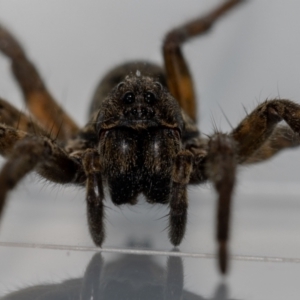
137, 162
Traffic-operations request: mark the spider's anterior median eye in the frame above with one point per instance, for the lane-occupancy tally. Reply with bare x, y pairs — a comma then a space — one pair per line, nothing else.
150, 97
128, 98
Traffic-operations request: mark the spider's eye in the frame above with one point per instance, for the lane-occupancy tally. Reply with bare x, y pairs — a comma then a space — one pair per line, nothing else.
128, 98
150, 98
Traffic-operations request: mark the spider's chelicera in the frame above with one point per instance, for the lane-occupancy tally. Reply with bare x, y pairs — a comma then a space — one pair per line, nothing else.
141, 137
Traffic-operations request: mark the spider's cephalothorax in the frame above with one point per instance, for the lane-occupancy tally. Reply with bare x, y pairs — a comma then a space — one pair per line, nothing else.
139, 138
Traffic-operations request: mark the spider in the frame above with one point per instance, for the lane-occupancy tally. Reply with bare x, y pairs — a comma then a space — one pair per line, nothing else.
141, 137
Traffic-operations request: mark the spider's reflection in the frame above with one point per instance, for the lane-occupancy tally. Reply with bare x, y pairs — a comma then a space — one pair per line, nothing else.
126, 277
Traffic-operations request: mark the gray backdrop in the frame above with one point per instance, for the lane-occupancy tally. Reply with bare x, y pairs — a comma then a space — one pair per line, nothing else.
251, 55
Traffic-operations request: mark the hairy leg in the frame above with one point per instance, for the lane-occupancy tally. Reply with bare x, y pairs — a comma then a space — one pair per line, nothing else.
27, 153
256, 138
14, 118
37, 97
179, 78
282, 137
8, 138
253, 138
220, 169
260, 126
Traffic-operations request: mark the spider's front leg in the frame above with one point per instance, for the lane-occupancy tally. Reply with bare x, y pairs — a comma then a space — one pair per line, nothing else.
255, 134
281, 138
221, 169
26, 153
179, 79
94, 196
217, 163
249, 141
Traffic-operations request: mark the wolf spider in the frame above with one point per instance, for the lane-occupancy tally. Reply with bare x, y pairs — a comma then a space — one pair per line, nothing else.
139, 139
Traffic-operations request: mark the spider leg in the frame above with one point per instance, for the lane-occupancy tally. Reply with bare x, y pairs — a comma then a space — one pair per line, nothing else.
282, 137
8, 138
37, 97
179, 201
179, 78
95, 196
12, 117
27, 153
226, 151
220, 168
260, 125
